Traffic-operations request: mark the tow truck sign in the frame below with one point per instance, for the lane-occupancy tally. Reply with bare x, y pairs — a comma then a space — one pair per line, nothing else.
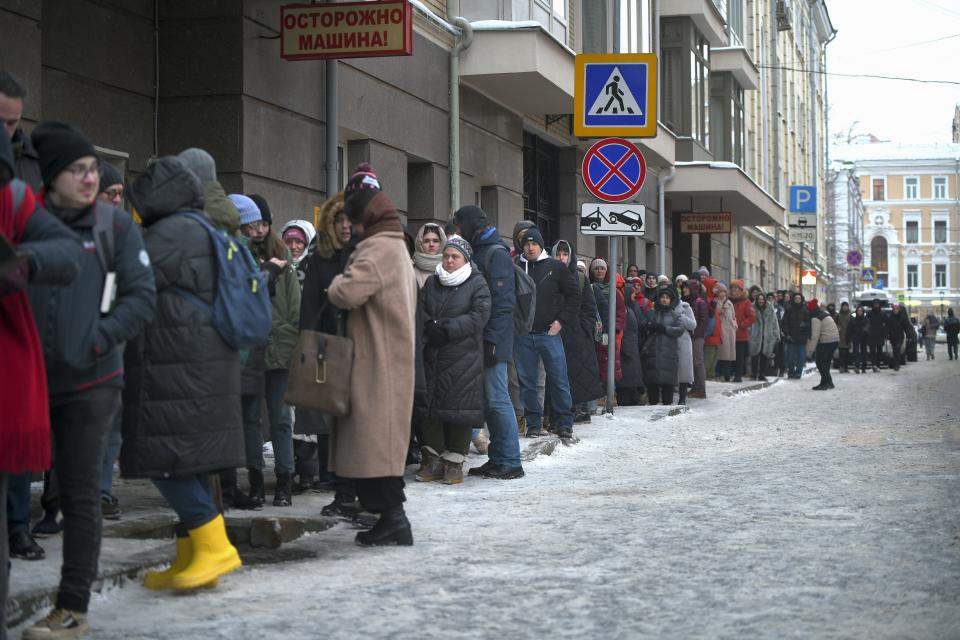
598, 219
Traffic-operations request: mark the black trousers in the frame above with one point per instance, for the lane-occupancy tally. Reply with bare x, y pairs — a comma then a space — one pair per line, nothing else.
380, 494
743, 350
778, 359
658, 392
844, 357
951, 350
80, 423
824, 356
875, 350
860, 355
758, 364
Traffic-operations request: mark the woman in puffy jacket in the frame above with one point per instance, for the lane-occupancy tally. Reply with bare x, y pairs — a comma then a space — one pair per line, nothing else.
659, 353
685, 343
764, 336
726, 325
455, 306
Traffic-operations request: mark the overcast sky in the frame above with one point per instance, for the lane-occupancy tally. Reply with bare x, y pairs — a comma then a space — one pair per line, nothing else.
883, 37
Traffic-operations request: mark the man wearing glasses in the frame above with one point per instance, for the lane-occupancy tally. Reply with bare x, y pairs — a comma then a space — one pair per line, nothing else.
82, 329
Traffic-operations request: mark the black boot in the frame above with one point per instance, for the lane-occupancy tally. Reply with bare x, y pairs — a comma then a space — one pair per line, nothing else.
255, 477
281, 495
343, 505
231, 495
392, 528
683, 393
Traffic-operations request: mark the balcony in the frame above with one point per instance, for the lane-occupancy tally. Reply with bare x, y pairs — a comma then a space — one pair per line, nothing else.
706, 14
735, 61
521, 66
723, 186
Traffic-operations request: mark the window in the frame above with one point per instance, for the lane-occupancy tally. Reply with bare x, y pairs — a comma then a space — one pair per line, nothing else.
940, 231
879, 189
911, 188
940, 275
728, 135
540, 168
940, 188
560, 9
700, 91
913, 276
913, 231
735, 20
631, 24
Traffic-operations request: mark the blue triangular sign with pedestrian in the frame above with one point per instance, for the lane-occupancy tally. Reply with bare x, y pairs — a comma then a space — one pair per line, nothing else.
616, 98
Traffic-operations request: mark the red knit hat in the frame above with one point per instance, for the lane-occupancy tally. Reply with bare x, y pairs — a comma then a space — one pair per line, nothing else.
813, 305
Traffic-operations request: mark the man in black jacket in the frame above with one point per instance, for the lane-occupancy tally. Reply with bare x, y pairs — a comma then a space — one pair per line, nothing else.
898, 328
26, 160
558, 306
83, 328
796, 331
876, 333
492, 258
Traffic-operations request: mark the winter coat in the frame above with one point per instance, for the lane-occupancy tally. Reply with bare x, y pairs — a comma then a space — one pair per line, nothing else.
685, 344
454, 371
181, 403
317, 313
898, 327
823, 330
765, 332
930, 325
701, 310
601, 291
379, 289
796, 323
558, 292
26, 160
876, 327
746, 316
220, 209
579, 347
857, 329
54, 258
660, 355
493, 261
630, 364
82, 347
727, 323
843, 327
285, 324
951, 326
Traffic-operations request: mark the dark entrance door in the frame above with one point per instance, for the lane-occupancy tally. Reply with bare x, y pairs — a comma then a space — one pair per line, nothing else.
540, 166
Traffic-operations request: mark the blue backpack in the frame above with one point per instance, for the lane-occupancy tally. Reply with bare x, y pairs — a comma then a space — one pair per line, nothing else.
241, 310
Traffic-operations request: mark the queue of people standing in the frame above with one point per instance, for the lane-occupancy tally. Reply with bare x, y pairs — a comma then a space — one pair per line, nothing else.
114, 329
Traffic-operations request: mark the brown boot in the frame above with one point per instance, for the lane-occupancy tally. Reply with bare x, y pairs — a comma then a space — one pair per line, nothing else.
452, 472
431, 467
697, 393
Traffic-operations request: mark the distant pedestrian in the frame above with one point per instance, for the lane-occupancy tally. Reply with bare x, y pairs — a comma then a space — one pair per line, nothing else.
795, 329
857, 330
688, 322
842, 319
726, 324
701, 311
823, 341
764, 335
930, 325
660, 353
951, 327
746, 316
876, 333
898, 326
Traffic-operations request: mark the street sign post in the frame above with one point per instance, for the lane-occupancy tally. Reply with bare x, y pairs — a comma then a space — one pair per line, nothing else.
868, 274
854, 258
615, 95
803, 199
802, 227
614, 169
602, 219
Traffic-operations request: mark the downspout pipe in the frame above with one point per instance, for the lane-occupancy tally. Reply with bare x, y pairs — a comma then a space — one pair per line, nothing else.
665, 176
460, 43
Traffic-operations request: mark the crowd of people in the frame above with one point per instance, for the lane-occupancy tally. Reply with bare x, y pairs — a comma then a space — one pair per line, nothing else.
112, 329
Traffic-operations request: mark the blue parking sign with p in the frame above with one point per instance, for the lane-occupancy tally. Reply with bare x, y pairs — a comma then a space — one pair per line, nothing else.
803, 199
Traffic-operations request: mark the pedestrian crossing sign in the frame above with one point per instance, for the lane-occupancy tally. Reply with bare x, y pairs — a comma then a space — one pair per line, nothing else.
615, 95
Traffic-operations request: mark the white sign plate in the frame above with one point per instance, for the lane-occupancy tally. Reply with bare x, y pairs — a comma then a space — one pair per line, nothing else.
607, 219
802, 221
800, 234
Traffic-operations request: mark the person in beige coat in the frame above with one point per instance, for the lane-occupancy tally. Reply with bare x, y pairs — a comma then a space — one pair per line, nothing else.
727, 351
379, 291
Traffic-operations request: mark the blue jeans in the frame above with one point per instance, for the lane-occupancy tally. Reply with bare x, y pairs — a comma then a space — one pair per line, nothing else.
501, 421
527, 352
114, 440
796, 355
281, 420
191, 497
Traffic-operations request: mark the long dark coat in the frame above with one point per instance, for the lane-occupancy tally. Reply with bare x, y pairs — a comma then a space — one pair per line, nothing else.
876, 327
454, 371
630, 351
660, 356
181, 403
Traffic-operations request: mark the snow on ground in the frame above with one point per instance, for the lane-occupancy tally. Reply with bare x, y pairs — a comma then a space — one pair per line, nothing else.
782, 513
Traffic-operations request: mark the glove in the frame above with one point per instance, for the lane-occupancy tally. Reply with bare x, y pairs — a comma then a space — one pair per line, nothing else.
436, 334
489, 354
658, 328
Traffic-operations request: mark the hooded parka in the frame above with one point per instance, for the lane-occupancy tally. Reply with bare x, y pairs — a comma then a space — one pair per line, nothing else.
765, 332
685, 342
181, 403
660, 355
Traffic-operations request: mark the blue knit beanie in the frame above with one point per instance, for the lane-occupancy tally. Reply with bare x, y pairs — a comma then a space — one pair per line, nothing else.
249, 212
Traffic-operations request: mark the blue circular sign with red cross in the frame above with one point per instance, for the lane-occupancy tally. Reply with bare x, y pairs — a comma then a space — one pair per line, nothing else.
614, 169
854, 258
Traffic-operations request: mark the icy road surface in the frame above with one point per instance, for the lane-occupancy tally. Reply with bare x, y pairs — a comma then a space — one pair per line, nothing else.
782, 513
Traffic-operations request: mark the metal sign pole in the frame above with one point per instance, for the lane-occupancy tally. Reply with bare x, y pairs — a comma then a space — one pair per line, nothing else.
612, 324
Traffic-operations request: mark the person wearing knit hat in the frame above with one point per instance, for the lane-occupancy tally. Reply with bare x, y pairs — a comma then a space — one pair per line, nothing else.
746, 317
361, 188
85, 325
812, 305
455, 307
823, 341
679, 280
598, 270
663, 281
298, 235
247, 208
111, 185
558, 306
261, 202
217, 207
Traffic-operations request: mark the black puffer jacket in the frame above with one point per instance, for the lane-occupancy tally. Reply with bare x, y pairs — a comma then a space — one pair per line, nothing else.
876, 326
181, 404
630, 351
795, 325
660, 355
857, 329
578, 345
899, 327
454, 371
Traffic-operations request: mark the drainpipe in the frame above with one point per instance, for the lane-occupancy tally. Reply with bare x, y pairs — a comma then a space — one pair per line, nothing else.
662, 180
460, 43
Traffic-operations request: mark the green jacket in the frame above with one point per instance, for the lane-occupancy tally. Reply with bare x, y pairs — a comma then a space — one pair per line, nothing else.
220, 209
286, 319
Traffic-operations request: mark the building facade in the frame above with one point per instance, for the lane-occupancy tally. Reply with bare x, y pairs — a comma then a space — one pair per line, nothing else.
738, 123
911, 220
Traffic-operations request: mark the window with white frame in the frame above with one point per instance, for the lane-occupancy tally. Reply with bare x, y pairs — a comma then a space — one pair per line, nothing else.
940, 276
633, 34
940, 188
879, 188
940, 231
913, 276
911, 188
912, 231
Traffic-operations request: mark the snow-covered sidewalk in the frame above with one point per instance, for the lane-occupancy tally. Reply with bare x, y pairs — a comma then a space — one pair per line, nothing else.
776, 513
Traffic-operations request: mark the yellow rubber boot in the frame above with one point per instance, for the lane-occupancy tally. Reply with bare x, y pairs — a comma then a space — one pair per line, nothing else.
158, 580
213, 556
